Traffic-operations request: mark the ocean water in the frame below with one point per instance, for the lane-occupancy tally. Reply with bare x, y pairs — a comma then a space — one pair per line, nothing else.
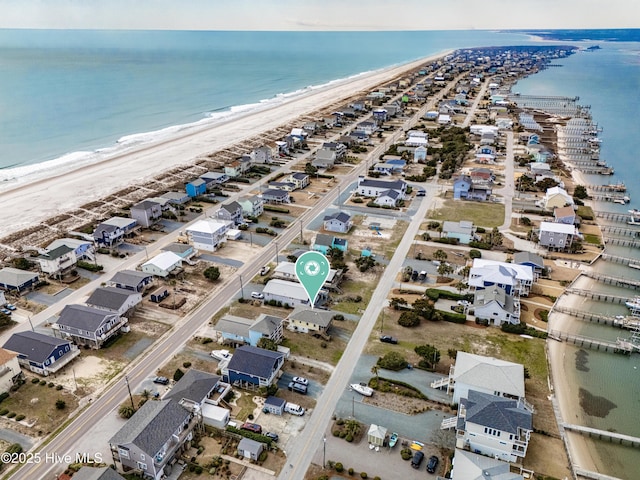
609, 81
70, 97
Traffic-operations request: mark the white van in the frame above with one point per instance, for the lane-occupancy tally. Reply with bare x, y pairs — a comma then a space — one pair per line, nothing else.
294, 409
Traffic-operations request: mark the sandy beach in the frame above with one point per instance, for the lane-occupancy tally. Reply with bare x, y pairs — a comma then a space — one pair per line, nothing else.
27, 205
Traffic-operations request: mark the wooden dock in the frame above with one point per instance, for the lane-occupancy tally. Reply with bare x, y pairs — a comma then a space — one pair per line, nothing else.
592, 343
621, 242
599, 297
614, 437
612, 280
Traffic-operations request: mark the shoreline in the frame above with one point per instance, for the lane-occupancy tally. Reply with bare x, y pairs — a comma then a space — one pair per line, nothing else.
45, 198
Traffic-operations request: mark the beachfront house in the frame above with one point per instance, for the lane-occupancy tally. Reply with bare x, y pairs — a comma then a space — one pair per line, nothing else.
207, 234
253, 367
131, 280
163, 265
41, 354
58, 261
115, 300
16, 280
290, 293
88, 326
494, 426
83, 249
10, 372
557, 236
339, 222
230, 212
238, 330
307, 320
146, 213
252, 205
515, 280
276, 196
373, 188
495, 306
463, 231
196, 187
214, 179
157, 433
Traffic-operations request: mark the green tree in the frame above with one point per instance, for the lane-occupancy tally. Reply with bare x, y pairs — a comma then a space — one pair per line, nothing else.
212, 273
267, 344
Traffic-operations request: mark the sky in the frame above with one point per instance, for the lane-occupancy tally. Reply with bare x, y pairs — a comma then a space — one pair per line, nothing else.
318, 14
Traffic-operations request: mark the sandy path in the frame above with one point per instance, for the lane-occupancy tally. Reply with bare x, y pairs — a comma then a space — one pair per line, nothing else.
26, 205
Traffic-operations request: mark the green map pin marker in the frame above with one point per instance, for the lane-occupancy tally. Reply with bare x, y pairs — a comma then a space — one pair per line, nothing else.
312, 269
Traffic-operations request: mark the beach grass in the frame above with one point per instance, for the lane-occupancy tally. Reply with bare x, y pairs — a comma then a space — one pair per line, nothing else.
481, 213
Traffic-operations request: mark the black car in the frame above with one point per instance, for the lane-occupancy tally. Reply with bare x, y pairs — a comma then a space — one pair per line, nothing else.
417, 459
161, 380
388, 339
432, 464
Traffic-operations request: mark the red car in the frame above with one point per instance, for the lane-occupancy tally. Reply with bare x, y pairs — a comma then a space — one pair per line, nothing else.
252, 427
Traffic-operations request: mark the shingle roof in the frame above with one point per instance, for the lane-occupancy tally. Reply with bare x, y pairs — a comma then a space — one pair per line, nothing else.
112, 298
130, 278
195, 385
152, 425
100, 473
321, 318
83, 317
254, 361
33, 345
490, 373
496, 412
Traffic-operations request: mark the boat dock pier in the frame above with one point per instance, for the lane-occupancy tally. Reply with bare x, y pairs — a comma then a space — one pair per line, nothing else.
586, 342
621, 260
614, 437
599, 297
613, 216
621, 242
596, 318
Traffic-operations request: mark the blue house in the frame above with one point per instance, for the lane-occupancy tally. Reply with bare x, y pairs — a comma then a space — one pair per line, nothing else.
196, 187
252, 367
41, 353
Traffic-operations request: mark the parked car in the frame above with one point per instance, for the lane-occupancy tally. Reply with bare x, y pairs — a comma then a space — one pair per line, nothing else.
301, 380
296, 387
161, 380
257, 295
10, 306
272, 436
417, 459
388, 339
252, 427
264, 270
432, 464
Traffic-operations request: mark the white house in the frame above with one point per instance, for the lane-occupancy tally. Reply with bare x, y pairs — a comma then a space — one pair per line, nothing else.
58, 260
163, 265
495, 305
373, 188
339, 222
208, 234
515, 279
494, 426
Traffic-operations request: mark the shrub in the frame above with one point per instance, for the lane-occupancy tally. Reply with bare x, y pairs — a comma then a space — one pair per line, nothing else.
19, 417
